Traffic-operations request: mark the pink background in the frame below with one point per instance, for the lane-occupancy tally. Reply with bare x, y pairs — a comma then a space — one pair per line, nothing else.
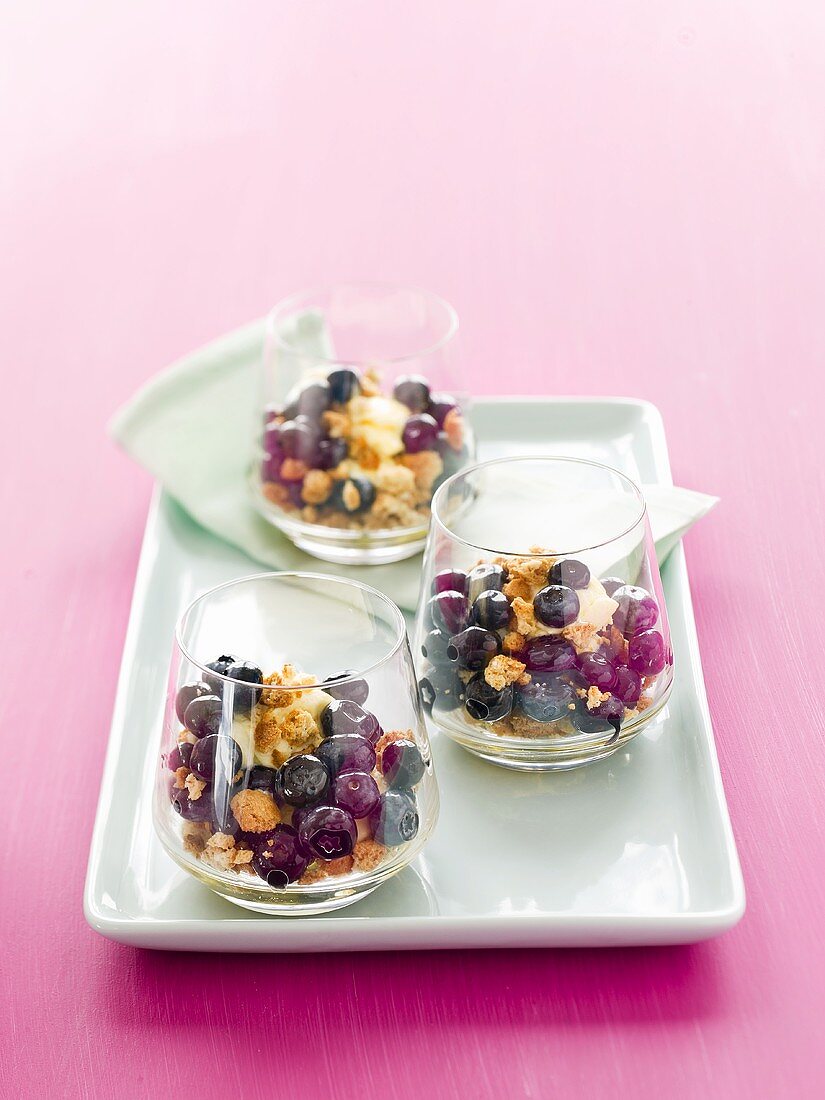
618, 198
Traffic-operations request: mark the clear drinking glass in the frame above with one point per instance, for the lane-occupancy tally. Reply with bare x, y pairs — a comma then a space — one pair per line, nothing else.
362, 417
295, 773
542, 639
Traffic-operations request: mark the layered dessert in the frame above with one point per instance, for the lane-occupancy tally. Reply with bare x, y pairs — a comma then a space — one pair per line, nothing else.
344, 454
538, 647
275, 778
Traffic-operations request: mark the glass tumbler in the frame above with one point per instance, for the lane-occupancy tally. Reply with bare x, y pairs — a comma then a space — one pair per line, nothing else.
362, 417
542, 639
295, 774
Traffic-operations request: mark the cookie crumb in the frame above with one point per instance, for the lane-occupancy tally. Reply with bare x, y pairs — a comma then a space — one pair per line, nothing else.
180, 777
525, 616
195, 836
426, 467
275, 492
584, 636
194, 786
340, 866
502, 671
513, 642
317, 487
595, 697
337, 424
367, 854
293, 469
644, 702
255, 811
350, 497
393, 478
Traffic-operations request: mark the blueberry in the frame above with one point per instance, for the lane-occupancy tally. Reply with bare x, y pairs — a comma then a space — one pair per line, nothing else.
345, 716
192, 809
279, 858
420, 434
346, 752
355, 690
598, 671
402, 764
327, 832
303, 779
244, 699
331, 452
412, 390
357, 793
610, 584
300, 440
473, 648
637, 610
203, 715
219, 665
261, 778
441, 689
556, 605
550, 653
570, 572
485, 703
394, 820
434, 647
450, 580
343, 384
544, 700
181, 754
353, 495
440, 405
491, 609
449, 611
216, 754
187, 693
483, 578
585, 722
313, 400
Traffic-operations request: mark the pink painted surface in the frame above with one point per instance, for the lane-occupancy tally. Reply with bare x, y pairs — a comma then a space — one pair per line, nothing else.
618, 199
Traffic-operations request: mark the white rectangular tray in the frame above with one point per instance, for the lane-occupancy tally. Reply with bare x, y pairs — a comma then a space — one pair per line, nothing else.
636, 849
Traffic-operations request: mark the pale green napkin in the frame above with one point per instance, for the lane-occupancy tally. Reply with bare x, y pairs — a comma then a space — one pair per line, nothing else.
192, 427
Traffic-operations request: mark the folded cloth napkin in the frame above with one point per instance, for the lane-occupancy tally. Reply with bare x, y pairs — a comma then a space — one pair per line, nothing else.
192, 428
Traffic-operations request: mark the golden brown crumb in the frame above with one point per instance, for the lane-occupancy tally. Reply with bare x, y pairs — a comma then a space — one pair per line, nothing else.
350, 497
502, 671
242, 855
526, 577
371, 382
287, 677
584, 636
337, 424
594, 697
454, 429
195, 786
341, 866
426, 466
195, 836
367, 854
648, 682
255, 811
180, 778
310, 514
317, 487
296, 726
387, 738
293, 469
645, 701
389, 511
218, 852
394, 478
275, 492
313, 873
615, 639
365, 456
525, 616
513, 642
185, 737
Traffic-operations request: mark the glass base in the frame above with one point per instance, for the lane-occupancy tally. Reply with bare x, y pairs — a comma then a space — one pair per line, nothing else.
302, 908
358, 555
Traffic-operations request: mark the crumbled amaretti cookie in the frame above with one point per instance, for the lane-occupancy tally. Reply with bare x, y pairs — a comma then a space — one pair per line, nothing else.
293, 469
295, 726
595, 697
394, 478
584, 637
644, 702
371, 382
617, 642
513, 642
194, 786
367, 854
313, 873
287, 677
180, 777
195, 835
526, 576
185, 737
502, 671
337, 424
525, 617
390, 511
426, 467
275, 493
335, 867
255, 811
222, 853
316, 487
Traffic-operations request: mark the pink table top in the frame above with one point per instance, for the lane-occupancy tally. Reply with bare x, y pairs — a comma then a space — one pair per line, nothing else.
618, 199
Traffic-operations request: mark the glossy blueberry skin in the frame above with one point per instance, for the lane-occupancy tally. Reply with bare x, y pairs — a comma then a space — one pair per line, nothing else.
412, 390
342, 499
434, 647
272, 441
646, 653
544, 700
203, 715
485, 578
491, 610
197, 809
450, 580
637, 610
611, 709
187, 693
244, 698
473, 648
299, 440
331, 452
261, 778
486, 704
357, 793
279, 858
303, 779
271, 467
611, 584
420, 434
450, 611
327, 832
440, 405
549, 654
569, 572
346, 752
585, 722
628, 685
219, 665
598, 671
556, 605
357, 691
441, 689
345, 716
343, 384
402, 765
394, 821
313, 400
214, 754
179, 757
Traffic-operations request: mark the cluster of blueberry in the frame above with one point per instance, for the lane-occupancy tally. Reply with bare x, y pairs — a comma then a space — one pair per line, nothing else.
311, 434
358, 783
541, 683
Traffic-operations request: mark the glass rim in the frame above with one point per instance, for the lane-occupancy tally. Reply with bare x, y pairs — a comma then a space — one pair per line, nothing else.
357, 674
441, 492
291, 301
